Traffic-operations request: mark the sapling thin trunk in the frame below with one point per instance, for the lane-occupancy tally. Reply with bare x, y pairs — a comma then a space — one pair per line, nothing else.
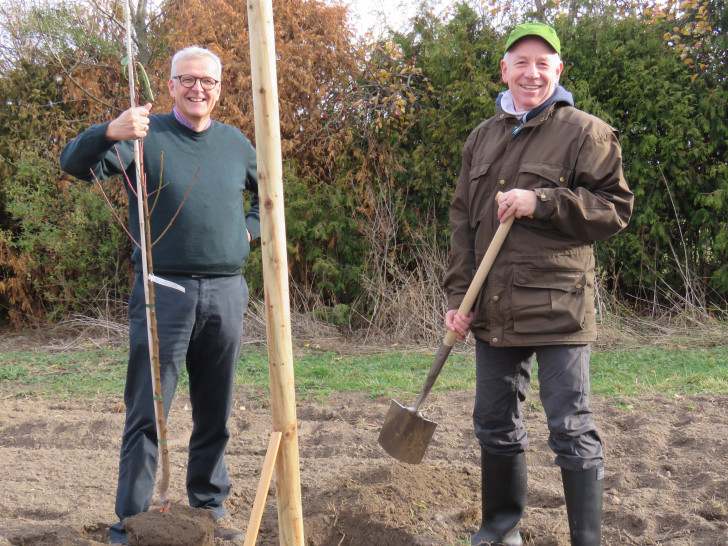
155, 366
145, 247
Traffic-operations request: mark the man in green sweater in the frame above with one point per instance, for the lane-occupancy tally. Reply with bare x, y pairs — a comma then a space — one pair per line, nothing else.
202, 253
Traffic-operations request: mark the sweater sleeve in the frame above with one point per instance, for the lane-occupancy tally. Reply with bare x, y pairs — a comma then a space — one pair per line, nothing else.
91, 155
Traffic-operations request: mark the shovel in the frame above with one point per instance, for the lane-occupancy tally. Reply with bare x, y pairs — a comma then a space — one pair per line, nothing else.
405, 433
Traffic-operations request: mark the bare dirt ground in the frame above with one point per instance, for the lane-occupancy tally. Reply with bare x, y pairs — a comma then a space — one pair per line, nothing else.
666, 477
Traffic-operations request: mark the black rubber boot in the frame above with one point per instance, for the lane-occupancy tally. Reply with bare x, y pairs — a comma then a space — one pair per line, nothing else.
583, 490
504, 499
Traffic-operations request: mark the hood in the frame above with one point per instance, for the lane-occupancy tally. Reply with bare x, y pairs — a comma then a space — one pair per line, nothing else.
560, 95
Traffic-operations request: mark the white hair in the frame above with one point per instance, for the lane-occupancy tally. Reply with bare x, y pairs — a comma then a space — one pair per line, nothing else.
194, 52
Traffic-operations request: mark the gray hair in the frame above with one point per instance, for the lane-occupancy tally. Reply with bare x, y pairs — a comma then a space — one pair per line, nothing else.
194, 52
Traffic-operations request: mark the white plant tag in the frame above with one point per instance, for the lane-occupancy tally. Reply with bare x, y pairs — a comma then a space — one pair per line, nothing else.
165, 282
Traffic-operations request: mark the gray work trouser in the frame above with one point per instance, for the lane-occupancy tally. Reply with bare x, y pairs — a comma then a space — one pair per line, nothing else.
202, 330
503, 377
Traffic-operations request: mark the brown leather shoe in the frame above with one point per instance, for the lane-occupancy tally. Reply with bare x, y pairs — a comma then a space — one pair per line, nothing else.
224, 530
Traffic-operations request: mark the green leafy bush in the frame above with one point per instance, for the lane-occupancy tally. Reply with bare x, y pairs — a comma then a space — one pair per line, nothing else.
67, 248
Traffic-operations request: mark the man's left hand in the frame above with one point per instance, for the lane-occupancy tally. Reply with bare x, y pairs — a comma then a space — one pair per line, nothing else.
518, 203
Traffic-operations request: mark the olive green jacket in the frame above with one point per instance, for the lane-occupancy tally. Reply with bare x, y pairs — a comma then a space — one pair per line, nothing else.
540, 290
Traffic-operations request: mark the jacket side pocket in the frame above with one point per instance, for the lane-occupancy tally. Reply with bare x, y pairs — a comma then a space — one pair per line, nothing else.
549, 301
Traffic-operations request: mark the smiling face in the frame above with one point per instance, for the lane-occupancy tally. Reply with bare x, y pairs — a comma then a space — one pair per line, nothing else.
194, 103
531, 69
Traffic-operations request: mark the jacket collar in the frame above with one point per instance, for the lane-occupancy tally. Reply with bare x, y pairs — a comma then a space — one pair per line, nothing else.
560, 97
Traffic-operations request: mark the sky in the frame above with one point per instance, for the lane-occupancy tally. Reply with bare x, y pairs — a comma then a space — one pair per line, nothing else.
378, 15
375, 15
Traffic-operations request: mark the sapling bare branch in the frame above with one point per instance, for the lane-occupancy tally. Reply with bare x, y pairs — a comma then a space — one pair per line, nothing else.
147, 194
178, 208
108, 202
126, 177
158, 191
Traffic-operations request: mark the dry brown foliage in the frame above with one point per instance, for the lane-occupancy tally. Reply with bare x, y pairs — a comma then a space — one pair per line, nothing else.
316, 58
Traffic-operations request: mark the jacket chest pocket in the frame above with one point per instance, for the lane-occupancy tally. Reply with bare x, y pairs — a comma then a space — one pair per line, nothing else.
533, 175
549, 301
476, 192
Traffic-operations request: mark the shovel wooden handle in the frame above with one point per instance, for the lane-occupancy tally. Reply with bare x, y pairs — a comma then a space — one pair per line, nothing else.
479, 278
467, 304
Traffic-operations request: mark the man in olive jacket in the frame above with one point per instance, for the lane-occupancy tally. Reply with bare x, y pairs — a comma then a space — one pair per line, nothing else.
559, 171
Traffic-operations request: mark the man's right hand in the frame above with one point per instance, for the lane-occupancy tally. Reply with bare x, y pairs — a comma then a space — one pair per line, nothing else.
460, 324
132, 123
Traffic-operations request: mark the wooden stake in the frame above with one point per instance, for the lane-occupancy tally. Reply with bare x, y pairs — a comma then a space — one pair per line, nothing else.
256, 515
275, 268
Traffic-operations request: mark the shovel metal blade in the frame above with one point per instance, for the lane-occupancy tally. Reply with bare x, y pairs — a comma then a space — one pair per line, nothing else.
405, 433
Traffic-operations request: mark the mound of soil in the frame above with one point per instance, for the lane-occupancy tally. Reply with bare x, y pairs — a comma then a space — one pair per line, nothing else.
175, 525
666, 477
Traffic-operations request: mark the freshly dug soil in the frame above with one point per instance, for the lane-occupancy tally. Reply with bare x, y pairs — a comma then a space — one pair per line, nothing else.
176, 526
666, 479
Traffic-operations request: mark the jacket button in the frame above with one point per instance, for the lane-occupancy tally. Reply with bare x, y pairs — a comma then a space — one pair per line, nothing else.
561, 179
502, 116
501, 182
495, 298
543, 197
578, 286
494, 340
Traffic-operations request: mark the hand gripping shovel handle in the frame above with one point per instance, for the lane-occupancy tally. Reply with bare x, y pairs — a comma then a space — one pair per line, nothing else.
467, 304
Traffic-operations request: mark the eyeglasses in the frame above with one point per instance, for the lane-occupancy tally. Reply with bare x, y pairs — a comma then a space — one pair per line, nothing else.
187, 80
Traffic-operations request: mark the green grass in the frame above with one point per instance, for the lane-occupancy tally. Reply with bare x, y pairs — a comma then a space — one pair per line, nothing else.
660, 370
82, 373
618, 373
383, 374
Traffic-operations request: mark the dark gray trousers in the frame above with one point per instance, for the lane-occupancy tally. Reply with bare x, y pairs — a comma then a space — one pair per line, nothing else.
503, 375
202, 330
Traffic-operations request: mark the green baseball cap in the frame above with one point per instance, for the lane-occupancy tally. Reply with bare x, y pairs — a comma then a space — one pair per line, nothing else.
541, 30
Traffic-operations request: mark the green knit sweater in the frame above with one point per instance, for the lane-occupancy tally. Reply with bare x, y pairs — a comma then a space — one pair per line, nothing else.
208, 236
